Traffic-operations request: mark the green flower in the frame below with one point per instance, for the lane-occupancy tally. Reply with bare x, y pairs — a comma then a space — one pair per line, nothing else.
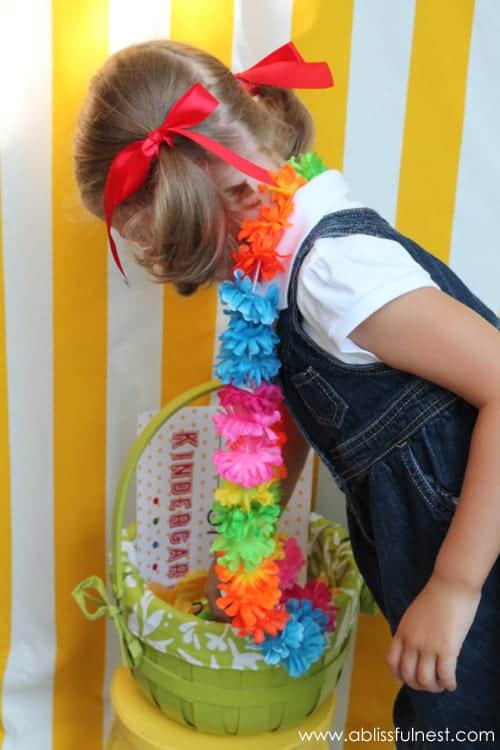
308, 165
245, 537
234, 523
249, 551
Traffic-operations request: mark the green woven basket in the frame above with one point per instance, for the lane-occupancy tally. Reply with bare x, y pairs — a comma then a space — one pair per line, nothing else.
199, 672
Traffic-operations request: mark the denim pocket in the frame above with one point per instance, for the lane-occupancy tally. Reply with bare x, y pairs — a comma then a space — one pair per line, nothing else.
440, 500
320, 397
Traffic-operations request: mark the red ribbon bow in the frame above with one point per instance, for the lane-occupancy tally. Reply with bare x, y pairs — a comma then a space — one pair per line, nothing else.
285, 67
130, 167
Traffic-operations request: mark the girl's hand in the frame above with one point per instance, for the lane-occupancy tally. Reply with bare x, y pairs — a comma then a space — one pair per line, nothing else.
424, 649
212, 593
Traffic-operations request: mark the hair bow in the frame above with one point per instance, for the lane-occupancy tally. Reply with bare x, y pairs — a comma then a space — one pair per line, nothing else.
130, 167
285, 67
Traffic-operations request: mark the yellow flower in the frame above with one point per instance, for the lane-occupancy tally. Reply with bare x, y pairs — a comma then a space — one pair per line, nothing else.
279, 550
232, 494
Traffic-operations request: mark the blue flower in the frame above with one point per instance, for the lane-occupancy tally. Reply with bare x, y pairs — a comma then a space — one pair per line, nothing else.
241, 371
300, 643
278, 648
244, 339
304, 607
241, 297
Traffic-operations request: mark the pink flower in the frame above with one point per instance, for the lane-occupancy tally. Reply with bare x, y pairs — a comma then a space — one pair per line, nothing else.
264, 399
248, 415
289, 567
231, 427
319, 594
250, 462
270, 395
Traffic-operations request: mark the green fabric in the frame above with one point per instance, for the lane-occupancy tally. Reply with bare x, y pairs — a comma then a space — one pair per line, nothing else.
201, 673
330, 555
146, 619
130, 648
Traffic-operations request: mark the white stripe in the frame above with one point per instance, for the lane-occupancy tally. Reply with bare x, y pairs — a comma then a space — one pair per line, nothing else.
378, 81
474, 249
132, 22
259, 27
135, 319
252, 40
27, 245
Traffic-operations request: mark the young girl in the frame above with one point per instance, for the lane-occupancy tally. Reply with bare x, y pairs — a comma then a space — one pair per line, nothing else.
390, 365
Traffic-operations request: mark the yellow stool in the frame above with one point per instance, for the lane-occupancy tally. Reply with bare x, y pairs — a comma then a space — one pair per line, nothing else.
138, 725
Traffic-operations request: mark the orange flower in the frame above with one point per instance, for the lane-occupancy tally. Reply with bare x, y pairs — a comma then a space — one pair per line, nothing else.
249, 594
257, 253
249, 259
263, 576
261, 230
251, 598
287, 179
271, 624
280, 212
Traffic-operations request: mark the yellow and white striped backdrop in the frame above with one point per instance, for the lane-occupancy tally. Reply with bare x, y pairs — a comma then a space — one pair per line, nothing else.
414, 123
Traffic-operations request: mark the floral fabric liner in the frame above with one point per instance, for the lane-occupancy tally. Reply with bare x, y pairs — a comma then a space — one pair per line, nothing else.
216, 645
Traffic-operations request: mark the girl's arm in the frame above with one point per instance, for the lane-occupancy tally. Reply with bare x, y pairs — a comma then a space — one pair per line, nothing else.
431, 334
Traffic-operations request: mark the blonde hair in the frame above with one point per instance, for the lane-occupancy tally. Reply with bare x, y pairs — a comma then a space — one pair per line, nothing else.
192, 217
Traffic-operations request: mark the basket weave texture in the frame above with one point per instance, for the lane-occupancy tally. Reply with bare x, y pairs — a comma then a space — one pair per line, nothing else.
199, 672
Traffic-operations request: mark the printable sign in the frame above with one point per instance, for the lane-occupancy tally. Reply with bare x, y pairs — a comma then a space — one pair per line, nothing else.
176, 480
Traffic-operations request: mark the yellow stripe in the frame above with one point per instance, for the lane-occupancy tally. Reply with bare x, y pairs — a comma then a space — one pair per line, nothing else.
322, 30
80, 44
434, 120
189, 322
5, 525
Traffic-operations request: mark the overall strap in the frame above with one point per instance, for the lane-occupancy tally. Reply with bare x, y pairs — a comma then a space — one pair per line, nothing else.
338, 224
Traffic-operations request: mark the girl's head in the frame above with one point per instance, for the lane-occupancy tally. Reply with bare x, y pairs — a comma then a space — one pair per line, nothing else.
186, 216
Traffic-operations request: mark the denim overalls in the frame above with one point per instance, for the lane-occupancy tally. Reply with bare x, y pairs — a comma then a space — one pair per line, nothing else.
397, 445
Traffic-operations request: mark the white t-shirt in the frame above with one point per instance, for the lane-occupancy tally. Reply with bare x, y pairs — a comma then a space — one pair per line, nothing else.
342, 280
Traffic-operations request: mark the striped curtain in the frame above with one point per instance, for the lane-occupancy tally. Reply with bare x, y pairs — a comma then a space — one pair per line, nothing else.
413, 122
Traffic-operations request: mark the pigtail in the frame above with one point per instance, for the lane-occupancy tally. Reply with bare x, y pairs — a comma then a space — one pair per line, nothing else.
293, 131
185, 218
189, 223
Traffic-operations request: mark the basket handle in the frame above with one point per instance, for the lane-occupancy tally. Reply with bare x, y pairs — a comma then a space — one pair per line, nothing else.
130, 465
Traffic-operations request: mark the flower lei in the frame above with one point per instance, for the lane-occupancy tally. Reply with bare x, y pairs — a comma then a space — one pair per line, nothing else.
257, 567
